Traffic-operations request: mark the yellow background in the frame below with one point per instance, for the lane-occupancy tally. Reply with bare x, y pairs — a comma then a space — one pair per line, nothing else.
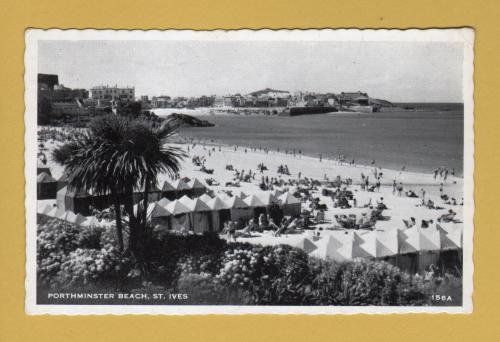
16, 16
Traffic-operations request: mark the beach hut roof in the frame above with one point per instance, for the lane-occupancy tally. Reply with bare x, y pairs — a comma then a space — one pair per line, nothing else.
205, 198
163, 202
198, 205
157, 210
196, 184
167, 186
236, 202
177, 208
179, 184
254, 201
339, 247
365, 244
307, 245
417, 239
451, 236
218, 204
186, 201
266, 197
44, 177
387, 243
288, 198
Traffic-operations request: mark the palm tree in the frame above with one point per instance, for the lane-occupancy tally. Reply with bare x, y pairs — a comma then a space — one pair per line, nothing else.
117, 155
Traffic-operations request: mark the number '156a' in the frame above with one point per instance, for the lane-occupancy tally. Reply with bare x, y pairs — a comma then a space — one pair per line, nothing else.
441, 298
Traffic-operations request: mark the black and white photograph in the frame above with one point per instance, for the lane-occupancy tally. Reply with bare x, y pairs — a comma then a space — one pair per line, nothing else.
249, 171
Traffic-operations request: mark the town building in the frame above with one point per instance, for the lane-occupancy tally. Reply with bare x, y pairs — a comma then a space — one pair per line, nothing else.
115, 93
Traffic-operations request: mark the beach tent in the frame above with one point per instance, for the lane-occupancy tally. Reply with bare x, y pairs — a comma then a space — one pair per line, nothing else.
197, 187
221, 212
375, 244
451, 236
240, 194
306, 245
180, 218
168, 191
201, 217
159, 215
416, 239
339, 246
256, 205
182, 188
163, 202
46, 186
205, 198
62, 181
418, 248
42, 167
240, 211
290, 205
77, 201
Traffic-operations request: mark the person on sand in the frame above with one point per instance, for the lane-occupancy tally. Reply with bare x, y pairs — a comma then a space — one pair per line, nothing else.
232, 230
400, 189
394, 185
377, 184
422, 192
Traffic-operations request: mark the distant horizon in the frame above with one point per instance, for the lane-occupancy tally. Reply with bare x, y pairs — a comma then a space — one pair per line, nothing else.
395, 71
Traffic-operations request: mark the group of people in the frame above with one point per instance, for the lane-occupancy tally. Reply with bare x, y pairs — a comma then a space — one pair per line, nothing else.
443, 172
288, 225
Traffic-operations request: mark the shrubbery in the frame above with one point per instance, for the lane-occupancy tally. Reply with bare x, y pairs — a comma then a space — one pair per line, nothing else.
213, 271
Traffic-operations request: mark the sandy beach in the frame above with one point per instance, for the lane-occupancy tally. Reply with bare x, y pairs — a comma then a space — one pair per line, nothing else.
243, 158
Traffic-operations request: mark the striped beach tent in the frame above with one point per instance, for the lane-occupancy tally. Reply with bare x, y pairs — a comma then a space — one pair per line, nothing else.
46, 186
201, 217
290, 204
240, 211
163, 202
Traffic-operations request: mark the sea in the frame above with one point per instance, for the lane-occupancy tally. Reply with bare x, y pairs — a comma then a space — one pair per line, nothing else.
419, 138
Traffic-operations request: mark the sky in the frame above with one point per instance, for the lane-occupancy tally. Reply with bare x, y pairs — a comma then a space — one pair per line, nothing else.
395, 71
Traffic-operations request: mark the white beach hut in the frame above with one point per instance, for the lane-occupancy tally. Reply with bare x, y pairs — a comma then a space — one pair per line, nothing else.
180, 218
290, 205
221, 212
201, 217
240, 210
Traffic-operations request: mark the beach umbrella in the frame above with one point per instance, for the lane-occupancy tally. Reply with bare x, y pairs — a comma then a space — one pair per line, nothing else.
451, 236
306, 245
